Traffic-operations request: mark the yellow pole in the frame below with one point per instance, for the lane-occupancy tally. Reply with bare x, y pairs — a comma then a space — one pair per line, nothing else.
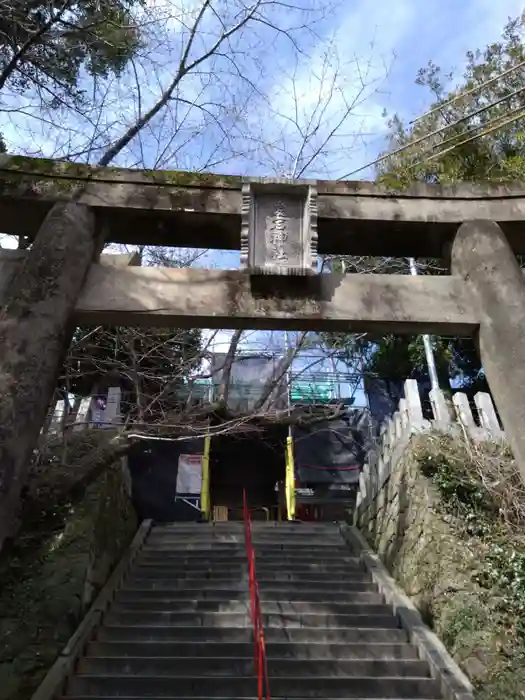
290, 479
205, 492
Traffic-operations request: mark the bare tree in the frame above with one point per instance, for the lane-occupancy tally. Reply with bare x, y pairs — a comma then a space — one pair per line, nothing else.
186, 100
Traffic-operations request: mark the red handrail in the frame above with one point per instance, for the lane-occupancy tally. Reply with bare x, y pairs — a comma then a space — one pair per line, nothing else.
261, 665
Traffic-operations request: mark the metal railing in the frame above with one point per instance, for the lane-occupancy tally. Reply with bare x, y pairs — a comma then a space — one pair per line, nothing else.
261, 666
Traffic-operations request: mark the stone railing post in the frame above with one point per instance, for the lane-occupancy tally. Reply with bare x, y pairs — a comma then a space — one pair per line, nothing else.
112, 412
487, 415
414, 408
482, 256
82, 419
465, 417
440, 408
57, 417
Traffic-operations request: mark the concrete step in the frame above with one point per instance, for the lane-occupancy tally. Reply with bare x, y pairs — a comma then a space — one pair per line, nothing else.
292, 635
285, 587
318, 540
302, 687
145, 599
243, 619
241, 565
274, 650
183, 574
193, 697
233, 593
244, 666
216, 557
240, 536
180, 546
261, 539
224, 574
189, 558
172, 571
331, 568
259, 525
239, 606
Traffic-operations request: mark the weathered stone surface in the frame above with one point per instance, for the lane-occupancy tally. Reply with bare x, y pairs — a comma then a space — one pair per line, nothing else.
495, 282
453, 681
279, 228
216, 299
35, 331
204, 210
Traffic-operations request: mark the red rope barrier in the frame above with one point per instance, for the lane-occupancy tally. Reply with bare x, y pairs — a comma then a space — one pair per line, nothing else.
261, 665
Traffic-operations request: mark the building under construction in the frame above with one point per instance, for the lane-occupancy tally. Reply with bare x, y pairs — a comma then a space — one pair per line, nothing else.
306, 469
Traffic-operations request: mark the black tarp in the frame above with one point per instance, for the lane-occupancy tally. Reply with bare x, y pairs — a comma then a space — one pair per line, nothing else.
384, 395
333, 452
153, 467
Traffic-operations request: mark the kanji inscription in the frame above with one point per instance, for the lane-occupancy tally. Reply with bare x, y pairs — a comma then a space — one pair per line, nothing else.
279, 229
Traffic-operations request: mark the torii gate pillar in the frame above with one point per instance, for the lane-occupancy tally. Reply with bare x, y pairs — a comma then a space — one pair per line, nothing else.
482, 255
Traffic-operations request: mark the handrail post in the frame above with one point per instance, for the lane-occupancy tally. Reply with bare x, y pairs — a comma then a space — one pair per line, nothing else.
205, 490
290, 479
260, 663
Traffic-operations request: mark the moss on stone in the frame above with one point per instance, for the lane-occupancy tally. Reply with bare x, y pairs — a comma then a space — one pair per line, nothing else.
432, 548
57, 172
52, 576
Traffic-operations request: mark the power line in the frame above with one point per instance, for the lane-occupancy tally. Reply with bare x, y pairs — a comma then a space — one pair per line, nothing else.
435, 132
521, 115
472, 131
469, 92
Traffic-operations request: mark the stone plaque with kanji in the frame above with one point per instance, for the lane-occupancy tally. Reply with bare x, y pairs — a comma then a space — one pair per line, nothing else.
279, 228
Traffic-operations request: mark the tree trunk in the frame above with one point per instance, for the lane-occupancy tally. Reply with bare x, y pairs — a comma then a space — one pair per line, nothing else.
224, 387
265, 400
35, 332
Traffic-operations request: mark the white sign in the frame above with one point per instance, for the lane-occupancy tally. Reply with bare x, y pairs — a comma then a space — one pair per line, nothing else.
189, 475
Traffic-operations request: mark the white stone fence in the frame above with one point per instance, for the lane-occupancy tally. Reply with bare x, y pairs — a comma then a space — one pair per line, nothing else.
451, 416
90, 413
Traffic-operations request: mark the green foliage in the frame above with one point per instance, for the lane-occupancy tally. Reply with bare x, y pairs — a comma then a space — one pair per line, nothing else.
462, 494
480, 489
399, 358
495, 157
47, 45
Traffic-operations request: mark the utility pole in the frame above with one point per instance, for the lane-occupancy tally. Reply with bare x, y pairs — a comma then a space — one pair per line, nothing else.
427, 341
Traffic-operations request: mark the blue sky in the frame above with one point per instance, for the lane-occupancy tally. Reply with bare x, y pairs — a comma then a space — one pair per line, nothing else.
355, 55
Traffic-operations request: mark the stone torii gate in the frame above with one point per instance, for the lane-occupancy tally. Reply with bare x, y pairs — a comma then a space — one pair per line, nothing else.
69, 211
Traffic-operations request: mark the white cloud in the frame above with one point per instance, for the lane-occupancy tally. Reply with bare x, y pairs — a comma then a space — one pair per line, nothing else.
362, 45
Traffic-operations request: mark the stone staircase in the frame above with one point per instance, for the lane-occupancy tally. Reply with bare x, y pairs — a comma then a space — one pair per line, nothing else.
179, 626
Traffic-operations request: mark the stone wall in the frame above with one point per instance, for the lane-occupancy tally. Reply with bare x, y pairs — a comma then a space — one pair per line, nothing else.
427, 554
429, 549
53, 574
404, 526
